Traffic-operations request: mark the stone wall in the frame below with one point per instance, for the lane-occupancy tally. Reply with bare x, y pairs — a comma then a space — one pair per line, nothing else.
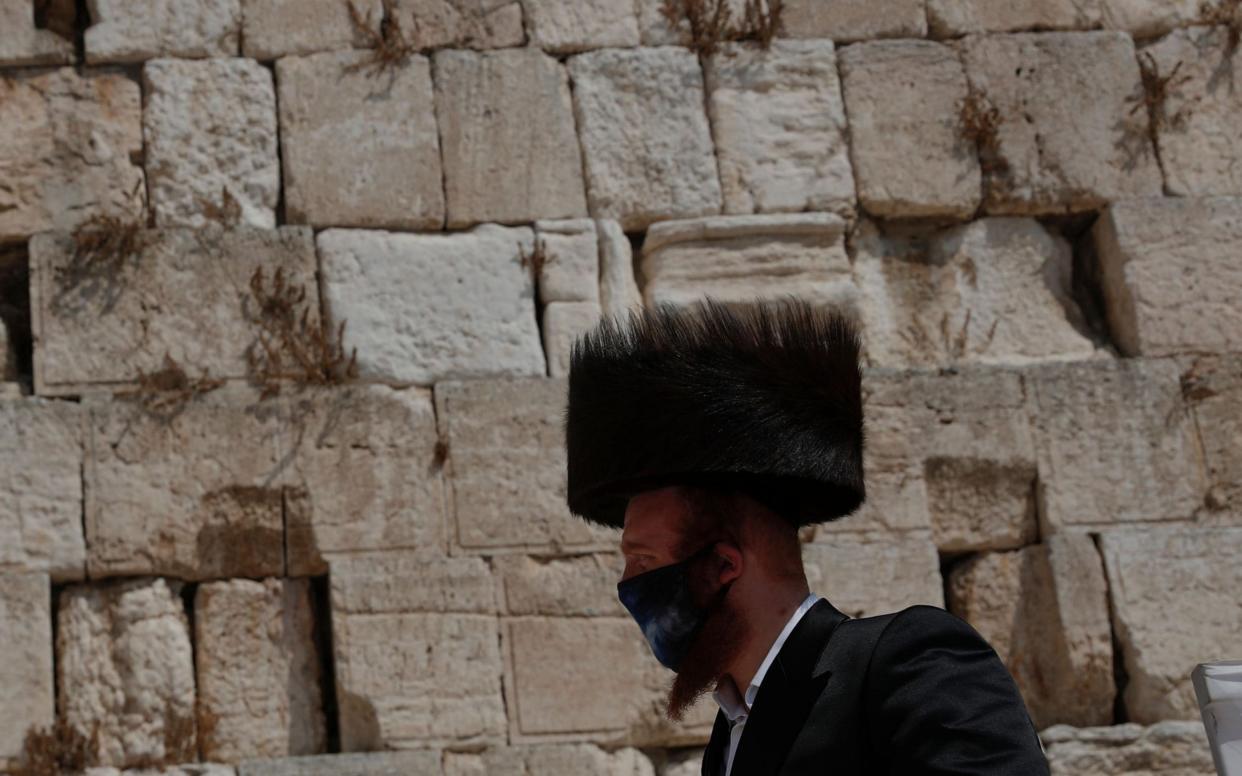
223, 540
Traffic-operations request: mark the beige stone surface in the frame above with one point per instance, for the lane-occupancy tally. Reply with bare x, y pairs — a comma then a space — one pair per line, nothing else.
844, 568
993, 291
475, 24
563, 27
1175, 605
683, 762
570, 269
41, 445
646, 144
779, 126
357, 150
618, 288
258, 670
1114, 442
910, 156
417, 761
1169, 274
1213, 387
410, 679
1165, 749
951, 18
551, 759
506, 465
185, 769
1044, 609
577, 585
847, 20
1068, 139
137, 30
93, 329
428, 307
507, 127
124, 663
1148, 18
399, 581
26, 671
21, 43
272, 29
563, 323
70, 149
740, 258
209, 127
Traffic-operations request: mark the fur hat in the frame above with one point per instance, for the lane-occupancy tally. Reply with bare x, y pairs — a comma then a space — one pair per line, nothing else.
766, 400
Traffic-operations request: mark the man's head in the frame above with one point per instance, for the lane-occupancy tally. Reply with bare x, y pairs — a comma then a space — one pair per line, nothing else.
749, 558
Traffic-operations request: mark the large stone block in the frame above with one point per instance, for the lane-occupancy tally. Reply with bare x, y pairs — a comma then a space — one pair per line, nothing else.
646, 144
41, 444
910, 156
1175, 603
563, 323
1115, 444
21, 43
579, 585
137, 30
952, 18
548, 760
586, 24
92, 328
185, 769
210, 129
1069, 138
847, 20
475, 24
779, 126
258, 670
1170, 276
1148, 18
507, 125
429, 307
994, 291
26, 670
741, 258
1213, 387
70, 151
416, 761
843, 567
125, 669
1044, 609
570, 269
379, 582
506, 460
1165, 749
618, 288
272, 29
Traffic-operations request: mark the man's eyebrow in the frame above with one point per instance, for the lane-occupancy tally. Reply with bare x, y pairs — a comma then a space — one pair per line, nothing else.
628, 545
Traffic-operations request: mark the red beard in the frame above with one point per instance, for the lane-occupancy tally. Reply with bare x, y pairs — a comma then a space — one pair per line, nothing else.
718, 643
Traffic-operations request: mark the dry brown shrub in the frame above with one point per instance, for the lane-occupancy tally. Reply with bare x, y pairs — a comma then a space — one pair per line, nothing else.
534, 260
979, 122
228, 212
57, 749
165, 392
1226, 13
387, 42
1155, 96
710, 23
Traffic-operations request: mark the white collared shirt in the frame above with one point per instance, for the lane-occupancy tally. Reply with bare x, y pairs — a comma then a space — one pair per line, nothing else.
736, 709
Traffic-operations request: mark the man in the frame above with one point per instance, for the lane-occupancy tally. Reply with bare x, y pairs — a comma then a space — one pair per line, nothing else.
711, 436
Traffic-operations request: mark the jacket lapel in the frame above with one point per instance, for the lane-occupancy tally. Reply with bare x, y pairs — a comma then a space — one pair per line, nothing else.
717, 747
789, 689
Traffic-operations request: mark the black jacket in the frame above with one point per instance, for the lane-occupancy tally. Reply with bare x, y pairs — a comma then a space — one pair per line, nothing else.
906, 694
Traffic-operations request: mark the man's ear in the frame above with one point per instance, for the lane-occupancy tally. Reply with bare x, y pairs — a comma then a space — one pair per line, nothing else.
729, 562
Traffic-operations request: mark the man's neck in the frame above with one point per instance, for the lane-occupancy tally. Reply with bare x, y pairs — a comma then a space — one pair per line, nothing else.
767, 621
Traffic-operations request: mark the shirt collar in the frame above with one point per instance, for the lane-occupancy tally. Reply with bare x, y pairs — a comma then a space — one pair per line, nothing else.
736, 706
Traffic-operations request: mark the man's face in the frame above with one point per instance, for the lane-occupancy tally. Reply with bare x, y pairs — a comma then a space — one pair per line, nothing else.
652, 536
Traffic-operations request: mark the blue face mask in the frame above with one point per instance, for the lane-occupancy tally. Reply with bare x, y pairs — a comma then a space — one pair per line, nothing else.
661, 603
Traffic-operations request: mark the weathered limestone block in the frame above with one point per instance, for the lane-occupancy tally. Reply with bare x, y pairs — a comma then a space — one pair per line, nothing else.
579, 585
506, 465
21, 43
683, 762
993, 291
71, 150
1148, 18
1170, 274
358, 151
416, 761
779, 125
507, 125
570, 266
585, 24
41, 445
272, 29
564, 322
187, 769
210, 128
952, 18
1115, 444
910, 156
847, 20
379, 582
258, 670
93, 329
740, 258
1044, 609
428, 307
551, 759
1175, 603
1213, 386
618, 289
125, 667
409, 678
475, 24
614, 692
1069, 138
26, 670
646, 144
844, 567
137, 30
1172, 748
